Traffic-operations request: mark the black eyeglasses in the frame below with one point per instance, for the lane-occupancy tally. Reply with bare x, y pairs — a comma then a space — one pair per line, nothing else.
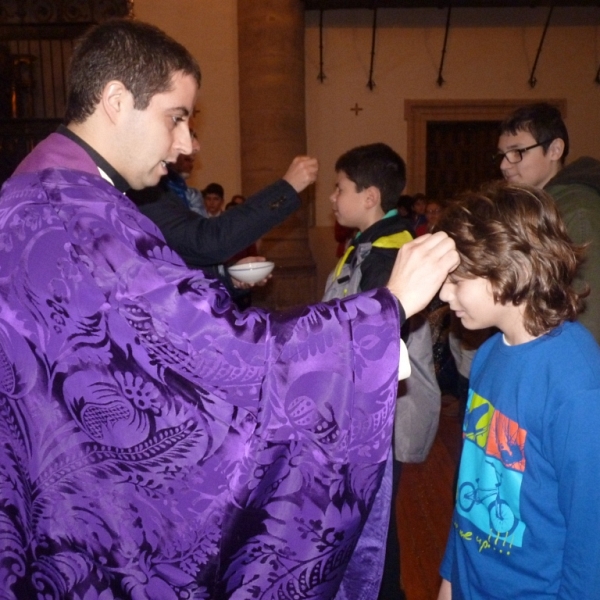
515, 156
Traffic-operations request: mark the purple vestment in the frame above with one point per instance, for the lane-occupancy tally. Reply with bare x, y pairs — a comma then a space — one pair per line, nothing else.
155, 442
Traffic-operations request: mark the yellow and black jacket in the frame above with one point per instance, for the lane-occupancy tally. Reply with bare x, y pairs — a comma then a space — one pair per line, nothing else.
368, 261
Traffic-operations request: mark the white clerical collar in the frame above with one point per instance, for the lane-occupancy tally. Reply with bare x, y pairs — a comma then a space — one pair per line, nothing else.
105, 176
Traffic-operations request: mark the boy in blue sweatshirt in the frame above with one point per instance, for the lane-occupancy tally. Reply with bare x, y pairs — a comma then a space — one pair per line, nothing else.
527, 512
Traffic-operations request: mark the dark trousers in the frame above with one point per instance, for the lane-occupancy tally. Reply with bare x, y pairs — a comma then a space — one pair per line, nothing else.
391, 588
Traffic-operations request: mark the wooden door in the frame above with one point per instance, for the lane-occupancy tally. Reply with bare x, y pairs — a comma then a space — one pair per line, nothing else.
459, 156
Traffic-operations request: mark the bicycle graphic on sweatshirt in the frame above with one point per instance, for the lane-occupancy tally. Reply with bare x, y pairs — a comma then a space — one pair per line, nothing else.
502, 518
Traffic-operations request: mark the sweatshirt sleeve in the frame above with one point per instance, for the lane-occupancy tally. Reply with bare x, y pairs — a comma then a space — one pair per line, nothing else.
448, 559
575, 448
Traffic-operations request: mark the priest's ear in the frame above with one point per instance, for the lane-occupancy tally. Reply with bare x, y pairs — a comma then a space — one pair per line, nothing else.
115, 100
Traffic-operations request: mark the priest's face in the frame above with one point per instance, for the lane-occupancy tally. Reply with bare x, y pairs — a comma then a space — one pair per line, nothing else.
151, 138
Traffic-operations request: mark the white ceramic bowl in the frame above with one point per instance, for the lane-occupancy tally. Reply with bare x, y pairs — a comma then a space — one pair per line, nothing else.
251, 272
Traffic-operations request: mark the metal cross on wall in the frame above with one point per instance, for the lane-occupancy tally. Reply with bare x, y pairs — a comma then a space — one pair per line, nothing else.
356, 108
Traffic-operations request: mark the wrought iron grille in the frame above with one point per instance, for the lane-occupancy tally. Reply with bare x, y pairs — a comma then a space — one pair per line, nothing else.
36, 43
36, 70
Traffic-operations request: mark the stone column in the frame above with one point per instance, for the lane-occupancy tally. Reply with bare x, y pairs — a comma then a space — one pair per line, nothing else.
273, 131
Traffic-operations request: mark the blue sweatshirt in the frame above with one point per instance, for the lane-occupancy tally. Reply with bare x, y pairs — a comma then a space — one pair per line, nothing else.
526, 523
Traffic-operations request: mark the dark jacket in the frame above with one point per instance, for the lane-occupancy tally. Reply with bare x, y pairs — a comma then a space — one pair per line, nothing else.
370, 258
206, 242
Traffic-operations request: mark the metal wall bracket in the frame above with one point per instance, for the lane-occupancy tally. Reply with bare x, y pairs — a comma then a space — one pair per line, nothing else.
440, 79
532, 78
321, 75
371, 83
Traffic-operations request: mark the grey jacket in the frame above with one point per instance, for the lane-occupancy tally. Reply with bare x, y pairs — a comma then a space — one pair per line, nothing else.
419, 398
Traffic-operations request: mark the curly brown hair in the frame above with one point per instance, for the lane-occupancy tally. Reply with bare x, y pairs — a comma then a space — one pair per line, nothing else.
514, 237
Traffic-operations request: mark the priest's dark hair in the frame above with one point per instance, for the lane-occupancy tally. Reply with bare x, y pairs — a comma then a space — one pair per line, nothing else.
142, 57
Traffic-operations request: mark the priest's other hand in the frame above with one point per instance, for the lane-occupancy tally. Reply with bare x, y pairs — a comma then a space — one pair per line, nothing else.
302, 172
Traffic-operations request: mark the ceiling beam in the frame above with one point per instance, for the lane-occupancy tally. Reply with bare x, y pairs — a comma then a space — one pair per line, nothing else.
333, 4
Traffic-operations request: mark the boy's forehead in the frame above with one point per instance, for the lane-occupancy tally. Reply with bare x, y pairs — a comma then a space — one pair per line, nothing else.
342, 177
519, 139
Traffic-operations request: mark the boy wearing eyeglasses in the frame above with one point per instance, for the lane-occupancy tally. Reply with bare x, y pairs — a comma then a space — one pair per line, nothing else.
532, 149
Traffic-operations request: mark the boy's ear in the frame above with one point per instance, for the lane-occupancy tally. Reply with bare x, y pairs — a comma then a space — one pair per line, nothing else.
556, 149
372, 197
